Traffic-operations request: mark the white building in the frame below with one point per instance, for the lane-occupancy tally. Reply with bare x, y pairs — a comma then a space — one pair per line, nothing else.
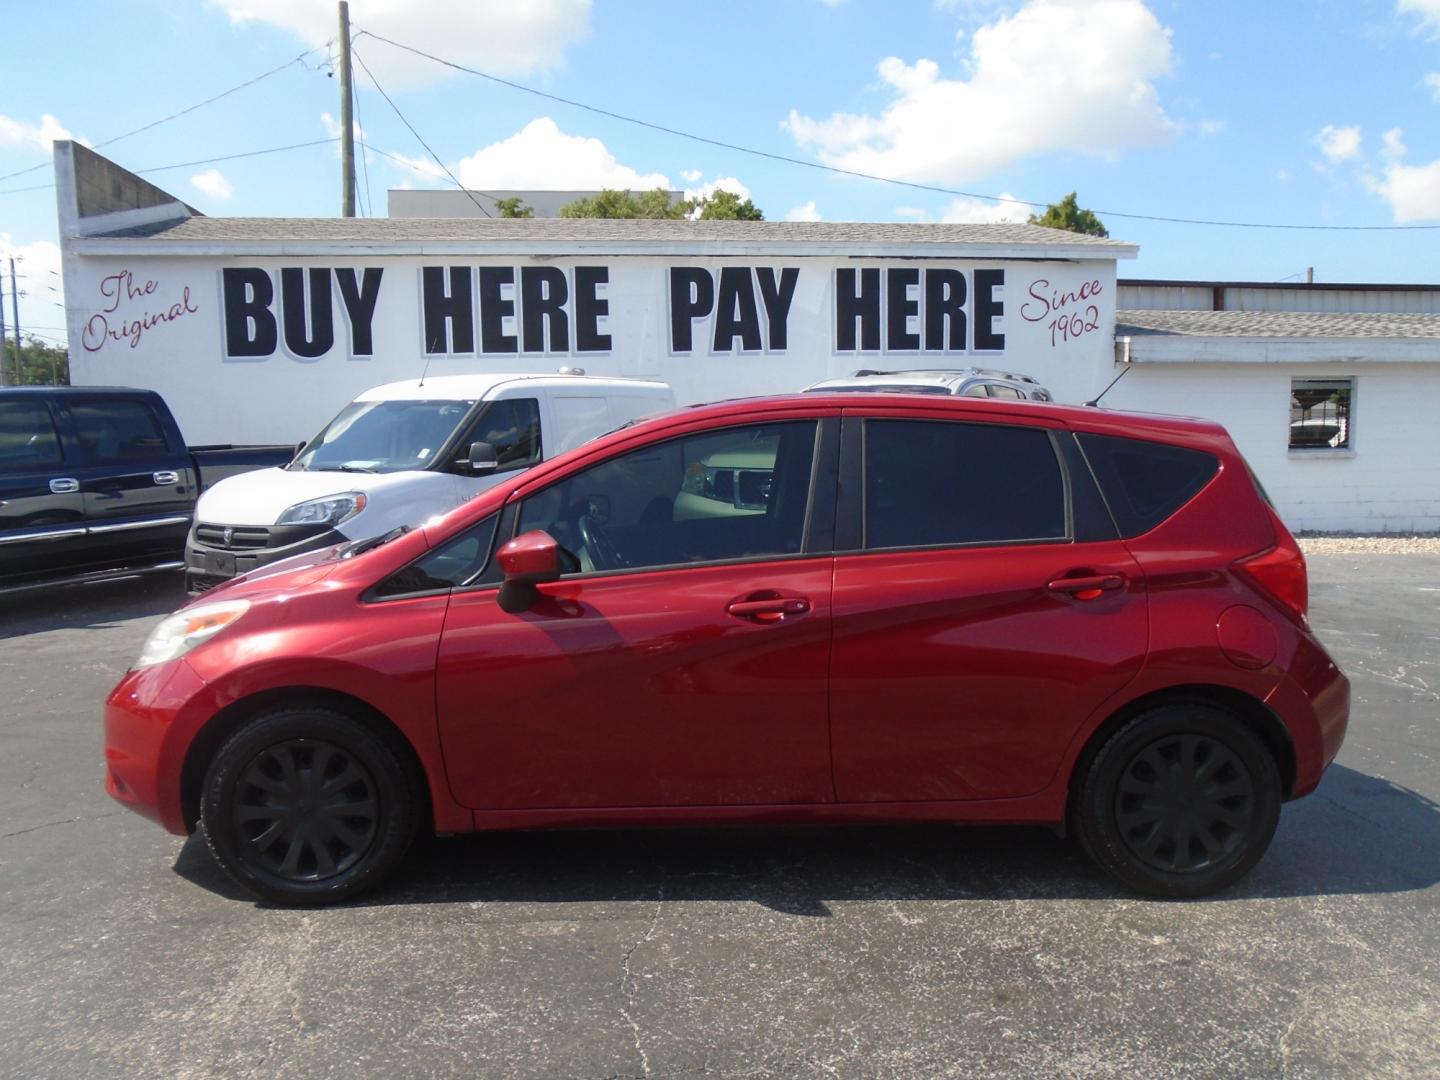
259, 329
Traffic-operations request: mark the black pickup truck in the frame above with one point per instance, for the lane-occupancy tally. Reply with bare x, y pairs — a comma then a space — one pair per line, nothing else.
96, 482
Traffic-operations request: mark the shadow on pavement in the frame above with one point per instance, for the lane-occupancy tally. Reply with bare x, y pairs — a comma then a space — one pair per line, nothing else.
68, 607
1358, 834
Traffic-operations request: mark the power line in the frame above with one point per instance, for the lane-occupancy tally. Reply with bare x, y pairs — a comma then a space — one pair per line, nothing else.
478, 205
364, 157
182, 112
871, 176
192, 164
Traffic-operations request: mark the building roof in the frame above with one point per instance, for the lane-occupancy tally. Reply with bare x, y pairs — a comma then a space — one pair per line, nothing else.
1276, 324
206, 235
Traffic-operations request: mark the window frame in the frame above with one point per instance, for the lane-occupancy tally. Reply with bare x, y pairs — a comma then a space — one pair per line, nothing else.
56, 428
851, 514
470, 427
817, 533
1352, 384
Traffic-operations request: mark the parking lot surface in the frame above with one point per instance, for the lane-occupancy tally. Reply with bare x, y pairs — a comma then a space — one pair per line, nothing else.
908, 951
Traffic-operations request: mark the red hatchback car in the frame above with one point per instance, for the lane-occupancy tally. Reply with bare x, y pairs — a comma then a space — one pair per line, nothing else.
814, 608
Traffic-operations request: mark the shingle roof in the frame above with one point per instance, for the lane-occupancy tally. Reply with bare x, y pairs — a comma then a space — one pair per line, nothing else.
592, 231
1283, 324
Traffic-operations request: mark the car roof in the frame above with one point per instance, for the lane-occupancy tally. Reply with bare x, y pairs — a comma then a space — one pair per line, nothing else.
70, 390
475, 387
943, 378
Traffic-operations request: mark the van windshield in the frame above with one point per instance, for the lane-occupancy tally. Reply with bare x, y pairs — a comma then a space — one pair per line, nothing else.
383, 436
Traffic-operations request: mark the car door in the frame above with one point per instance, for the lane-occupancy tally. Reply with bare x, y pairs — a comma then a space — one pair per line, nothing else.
983, 609
683, 658
42, 526
138, 495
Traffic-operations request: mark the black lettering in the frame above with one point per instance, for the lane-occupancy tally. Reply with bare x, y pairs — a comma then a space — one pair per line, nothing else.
494, 308
249, 323
863, 305
988, 309
359, 300
899, 307
944, 310
307, 338
735, 312
590, 308
692, 296
543, 295
449, 315
777, 298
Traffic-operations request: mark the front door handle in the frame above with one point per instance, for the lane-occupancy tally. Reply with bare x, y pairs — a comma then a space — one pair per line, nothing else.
64, 486
768, 609
1087, 588
165, 476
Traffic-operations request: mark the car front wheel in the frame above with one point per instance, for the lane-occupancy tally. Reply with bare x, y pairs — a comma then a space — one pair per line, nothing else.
1180, 802
308, 806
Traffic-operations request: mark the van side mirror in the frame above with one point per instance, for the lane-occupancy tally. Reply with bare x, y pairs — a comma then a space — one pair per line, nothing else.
481, 461
530, 559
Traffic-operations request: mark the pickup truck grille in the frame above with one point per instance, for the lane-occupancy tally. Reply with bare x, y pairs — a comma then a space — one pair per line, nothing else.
233, 537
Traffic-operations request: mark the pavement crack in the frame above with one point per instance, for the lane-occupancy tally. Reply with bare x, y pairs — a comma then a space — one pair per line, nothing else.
52, 824
627, 980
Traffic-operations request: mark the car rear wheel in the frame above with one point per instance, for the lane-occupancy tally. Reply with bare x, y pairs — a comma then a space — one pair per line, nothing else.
309, 806
1180, 802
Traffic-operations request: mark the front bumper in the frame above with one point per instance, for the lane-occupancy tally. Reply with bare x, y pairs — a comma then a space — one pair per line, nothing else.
216, 553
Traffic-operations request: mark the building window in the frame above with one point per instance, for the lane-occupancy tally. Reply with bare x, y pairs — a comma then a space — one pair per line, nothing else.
1320, 414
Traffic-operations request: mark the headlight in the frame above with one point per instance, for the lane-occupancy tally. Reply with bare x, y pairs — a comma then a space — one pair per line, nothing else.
331, 510
182, 631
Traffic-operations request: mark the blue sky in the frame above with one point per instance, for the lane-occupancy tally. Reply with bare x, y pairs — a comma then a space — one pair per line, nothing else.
1315, 112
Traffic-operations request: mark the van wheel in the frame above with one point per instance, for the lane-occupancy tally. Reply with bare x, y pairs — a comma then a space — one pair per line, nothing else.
1180, 802
308, 806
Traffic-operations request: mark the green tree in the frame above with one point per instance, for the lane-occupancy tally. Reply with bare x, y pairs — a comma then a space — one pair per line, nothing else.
40, 363
514, 208
627, 204
1067, 214
727, 206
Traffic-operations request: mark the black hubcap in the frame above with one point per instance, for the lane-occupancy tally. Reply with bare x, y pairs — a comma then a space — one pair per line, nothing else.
1184, 803
306, 810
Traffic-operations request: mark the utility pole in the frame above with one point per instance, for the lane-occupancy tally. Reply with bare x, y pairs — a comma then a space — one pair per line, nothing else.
2, 331
347, 125
15, 312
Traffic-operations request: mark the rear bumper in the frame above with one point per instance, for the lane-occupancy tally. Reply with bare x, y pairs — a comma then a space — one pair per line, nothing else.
1313, 699
211, 560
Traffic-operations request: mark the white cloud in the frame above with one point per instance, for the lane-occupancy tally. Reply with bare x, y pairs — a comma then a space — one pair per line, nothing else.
1338, 143
43, 297
963, 211
212, 182
690, 175
40, 136
1432, 80
722, 183
803, 212
1427, 12
541, 157
334, 130
1209, 128
1413, 191
1057, 75
500, 38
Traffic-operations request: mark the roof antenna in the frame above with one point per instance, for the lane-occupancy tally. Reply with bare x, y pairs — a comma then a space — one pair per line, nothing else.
426, 370
1122, 347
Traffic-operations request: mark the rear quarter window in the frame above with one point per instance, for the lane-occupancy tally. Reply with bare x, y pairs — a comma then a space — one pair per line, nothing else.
1145, 482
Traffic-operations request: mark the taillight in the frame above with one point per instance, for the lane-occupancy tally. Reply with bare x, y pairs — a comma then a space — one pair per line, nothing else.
1280, 570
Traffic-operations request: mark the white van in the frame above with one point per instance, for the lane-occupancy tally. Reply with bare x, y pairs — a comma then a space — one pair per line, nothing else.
399, 454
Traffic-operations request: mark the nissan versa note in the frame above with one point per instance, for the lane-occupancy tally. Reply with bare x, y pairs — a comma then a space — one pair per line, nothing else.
823, 607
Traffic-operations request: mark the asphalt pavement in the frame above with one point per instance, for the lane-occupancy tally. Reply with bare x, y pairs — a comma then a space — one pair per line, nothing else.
830, 952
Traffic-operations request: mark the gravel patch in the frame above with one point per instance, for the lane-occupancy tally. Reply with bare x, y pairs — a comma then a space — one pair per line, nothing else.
1370, 545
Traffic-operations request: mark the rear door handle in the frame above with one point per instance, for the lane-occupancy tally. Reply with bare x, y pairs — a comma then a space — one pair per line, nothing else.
165, 476
64, 486
1087, 588
768, 609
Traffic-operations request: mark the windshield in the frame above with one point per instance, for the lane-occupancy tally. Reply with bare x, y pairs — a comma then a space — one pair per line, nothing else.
383, 436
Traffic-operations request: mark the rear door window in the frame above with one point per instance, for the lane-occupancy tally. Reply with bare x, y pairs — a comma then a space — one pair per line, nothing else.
115, 432
1145, 482
27, 435
937, 483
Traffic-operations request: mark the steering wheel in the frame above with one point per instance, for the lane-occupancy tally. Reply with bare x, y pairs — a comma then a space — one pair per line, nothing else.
602, 551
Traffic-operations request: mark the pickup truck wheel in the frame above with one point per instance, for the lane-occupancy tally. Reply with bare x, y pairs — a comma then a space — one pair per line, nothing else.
308, 806
1180, 802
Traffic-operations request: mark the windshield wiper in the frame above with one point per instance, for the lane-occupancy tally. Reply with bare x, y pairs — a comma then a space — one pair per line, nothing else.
345, 467
359, 547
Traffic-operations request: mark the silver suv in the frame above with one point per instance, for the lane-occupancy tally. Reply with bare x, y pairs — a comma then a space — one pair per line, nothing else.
960, 382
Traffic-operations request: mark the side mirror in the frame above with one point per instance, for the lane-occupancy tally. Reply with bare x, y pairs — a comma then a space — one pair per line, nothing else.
526, 561
482, 459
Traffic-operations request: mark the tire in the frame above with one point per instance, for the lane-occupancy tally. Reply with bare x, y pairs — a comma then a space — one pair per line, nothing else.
1180, 802
293, 837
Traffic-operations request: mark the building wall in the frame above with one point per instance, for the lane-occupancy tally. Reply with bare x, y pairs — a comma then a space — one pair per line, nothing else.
1389, 482
1201, 296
